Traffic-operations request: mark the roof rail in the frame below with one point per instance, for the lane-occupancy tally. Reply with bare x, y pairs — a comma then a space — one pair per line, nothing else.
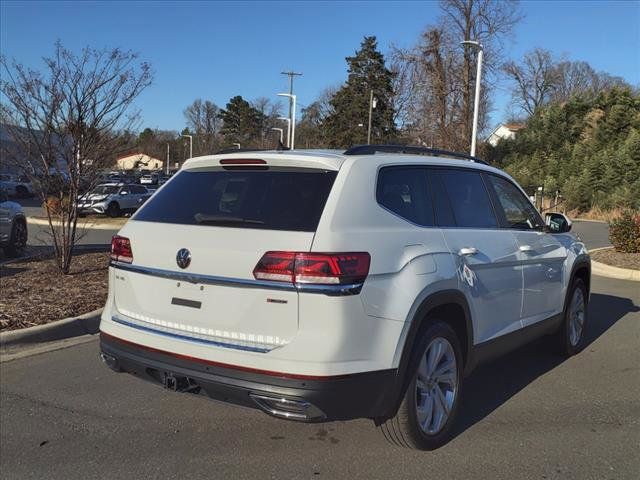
411, 150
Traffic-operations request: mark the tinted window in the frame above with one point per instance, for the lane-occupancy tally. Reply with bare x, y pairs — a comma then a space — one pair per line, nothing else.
105, 190
518, 211
441, 204
403, 190
274, 199
137, 189
469, 199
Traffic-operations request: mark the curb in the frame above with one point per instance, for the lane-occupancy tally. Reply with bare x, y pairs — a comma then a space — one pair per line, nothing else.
588, 220
86, 324
93, 248
604, 270
88, 225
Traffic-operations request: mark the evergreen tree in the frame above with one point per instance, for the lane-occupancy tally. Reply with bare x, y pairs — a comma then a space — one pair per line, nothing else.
347, 124
241, 123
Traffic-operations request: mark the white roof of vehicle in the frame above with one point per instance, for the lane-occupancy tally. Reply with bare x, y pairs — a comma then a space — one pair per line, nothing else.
332, 159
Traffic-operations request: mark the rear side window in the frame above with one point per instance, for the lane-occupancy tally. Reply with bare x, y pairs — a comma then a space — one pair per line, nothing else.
271, 199
469, 199
403, 191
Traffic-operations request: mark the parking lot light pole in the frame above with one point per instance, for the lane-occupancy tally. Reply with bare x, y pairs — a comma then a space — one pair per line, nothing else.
190, 137
292, 140
476, 101
288, 120
281, 130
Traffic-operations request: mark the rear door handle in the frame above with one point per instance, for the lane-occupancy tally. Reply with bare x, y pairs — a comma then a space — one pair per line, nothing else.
464, 251
526, 248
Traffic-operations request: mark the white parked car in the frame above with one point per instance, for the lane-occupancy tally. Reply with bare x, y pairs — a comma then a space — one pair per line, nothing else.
322, 286
16, 185
113, 199
149, 179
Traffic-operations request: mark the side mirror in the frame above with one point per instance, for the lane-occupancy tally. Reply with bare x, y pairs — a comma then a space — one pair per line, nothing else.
557, 222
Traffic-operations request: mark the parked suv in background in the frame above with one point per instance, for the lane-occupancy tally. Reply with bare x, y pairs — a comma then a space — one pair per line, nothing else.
13, 226
113, 199
324, 286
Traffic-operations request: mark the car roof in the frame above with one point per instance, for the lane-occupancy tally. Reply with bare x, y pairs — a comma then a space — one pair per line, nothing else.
334, 159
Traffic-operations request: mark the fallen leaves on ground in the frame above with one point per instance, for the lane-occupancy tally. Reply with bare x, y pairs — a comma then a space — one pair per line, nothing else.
35, 293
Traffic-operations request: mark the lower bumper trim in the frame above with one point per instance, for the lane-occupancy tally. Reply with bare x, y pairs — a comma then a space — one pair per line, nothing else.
302, 398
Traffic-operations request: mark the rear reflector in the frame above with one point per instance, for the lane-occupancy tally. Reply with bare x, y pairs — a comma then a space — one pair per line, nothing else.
242, 161
313, 268
121, 249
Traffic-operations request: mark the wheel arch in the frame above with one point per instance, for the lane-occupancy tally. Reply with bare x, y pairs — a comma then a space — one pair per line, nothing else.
450, 306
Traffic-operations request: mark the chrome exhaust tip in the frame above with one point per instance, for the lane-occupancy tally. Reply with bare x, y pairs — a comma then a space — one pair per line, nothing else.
287, 408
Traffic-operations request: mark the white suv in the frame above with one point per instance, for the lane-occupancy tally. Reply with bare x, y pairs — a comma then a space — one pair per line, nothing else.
323, 286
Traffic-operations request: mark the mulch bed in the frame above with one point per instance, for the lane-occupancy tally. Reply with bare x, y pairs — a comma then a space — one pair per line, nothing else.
35, 293
617, 259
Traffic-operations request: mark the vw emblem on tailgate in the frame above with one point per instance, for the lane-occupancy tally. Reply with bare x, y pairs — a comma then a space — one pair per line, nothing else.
183, 258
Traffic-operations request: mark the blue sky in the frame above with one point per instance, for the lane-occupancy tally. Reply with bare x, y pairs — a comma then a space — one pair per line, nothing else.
215, 50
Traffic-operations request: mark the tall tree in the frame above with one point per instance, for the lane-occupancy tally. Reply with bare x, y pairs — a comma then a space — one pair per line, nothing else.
241, 123
347, 124
534, 79
65, 120
203, 120
488, 22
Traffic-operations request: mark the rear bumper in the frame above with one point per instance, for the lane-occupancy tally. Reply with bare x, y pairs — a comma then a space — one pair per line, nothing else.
295, 397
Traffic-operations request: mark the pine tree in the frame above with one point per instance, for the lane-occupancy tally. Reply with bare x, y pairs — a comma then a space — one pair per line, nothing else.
348, 123
241, 123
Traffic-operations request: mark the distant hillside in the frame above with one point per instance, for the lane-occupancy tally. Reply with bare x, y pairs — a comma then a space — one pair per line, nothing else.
589, 149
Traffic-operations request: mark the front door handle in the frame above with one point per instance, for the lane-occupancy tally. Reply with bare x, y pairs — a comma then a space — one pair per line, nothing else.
464, 251
526, 248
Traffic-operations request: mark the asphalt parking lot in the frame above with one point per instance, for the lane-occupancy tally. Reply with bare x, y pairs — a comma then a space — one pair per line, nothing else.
528, 415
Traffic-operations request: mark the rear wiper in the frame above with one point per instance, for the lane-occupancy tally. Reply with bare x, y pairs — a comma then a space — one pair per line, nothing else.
206, 218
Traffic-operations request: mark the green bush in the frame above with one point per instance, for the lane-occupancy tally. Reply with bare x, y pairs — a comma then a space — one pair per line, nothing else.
624, 232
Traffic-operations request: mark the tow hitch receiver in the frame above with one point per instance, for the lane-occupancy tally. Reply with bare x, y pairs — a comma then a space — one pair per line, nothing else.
178, 383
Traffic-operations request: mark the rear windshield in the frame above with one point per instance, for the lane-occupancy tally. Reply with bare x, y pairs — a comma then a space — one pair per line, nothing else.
272, 199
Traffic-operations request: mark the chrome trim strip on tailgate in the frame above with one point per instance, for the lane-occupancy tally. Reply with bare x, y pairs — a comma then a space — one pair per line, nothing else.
331, 290
189, 338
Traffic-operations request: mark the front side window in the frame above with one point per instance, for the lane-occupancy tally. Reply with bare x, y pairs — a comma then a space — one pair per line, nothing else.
518, 211
403, 191
469, 199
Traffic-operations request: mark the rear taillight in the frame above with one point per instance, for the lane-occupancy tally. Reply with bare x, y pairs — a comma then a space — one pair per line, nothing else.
313, 268
121, 249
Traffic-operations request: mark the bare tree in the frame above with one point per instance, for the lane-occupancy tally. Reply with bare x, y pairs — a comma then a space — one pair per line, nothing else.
535, 79
488, 22
65, 121
203, 120
269, 113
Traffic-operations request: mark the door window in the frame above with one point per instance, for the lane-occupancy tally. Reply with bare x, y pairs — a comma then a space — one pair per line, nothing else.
469, 199
403, 191
518, 211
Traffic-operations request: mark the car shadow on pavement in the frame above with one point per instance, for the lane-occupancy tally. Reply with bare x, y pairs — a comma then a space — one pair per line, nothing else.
493, 384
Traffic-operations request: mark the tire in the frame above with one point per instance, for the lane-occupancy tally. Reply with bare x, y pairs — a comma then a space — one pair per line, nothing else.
113, 210
570, 337
421, 403
22, 191
18, 239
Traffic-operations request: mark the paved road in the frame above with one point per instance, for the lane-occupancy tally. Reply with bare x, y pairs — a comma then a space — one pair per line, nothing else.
593, 234
529, 415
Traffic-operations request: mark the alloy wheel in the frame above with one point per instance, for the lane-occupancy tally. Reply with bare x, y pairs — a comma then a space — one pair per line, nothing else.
576, 317
436, 385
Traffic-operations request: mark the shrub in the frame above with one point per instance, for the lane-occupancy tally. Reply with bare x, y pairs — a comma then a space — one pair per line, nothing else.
624, 232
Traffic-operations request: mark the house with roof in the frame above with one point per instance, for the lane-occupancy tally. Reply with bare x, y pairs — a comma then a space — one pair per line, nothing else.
138, 161
504, 131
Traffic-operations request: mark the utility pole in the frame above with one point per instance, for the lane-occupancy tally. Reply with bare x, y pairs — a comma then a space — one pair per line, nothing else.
168, 159
291, 74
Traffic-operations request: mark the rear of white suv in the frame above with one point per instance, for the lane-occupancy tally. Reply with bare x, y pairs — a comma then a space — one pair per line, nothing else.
320, 286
